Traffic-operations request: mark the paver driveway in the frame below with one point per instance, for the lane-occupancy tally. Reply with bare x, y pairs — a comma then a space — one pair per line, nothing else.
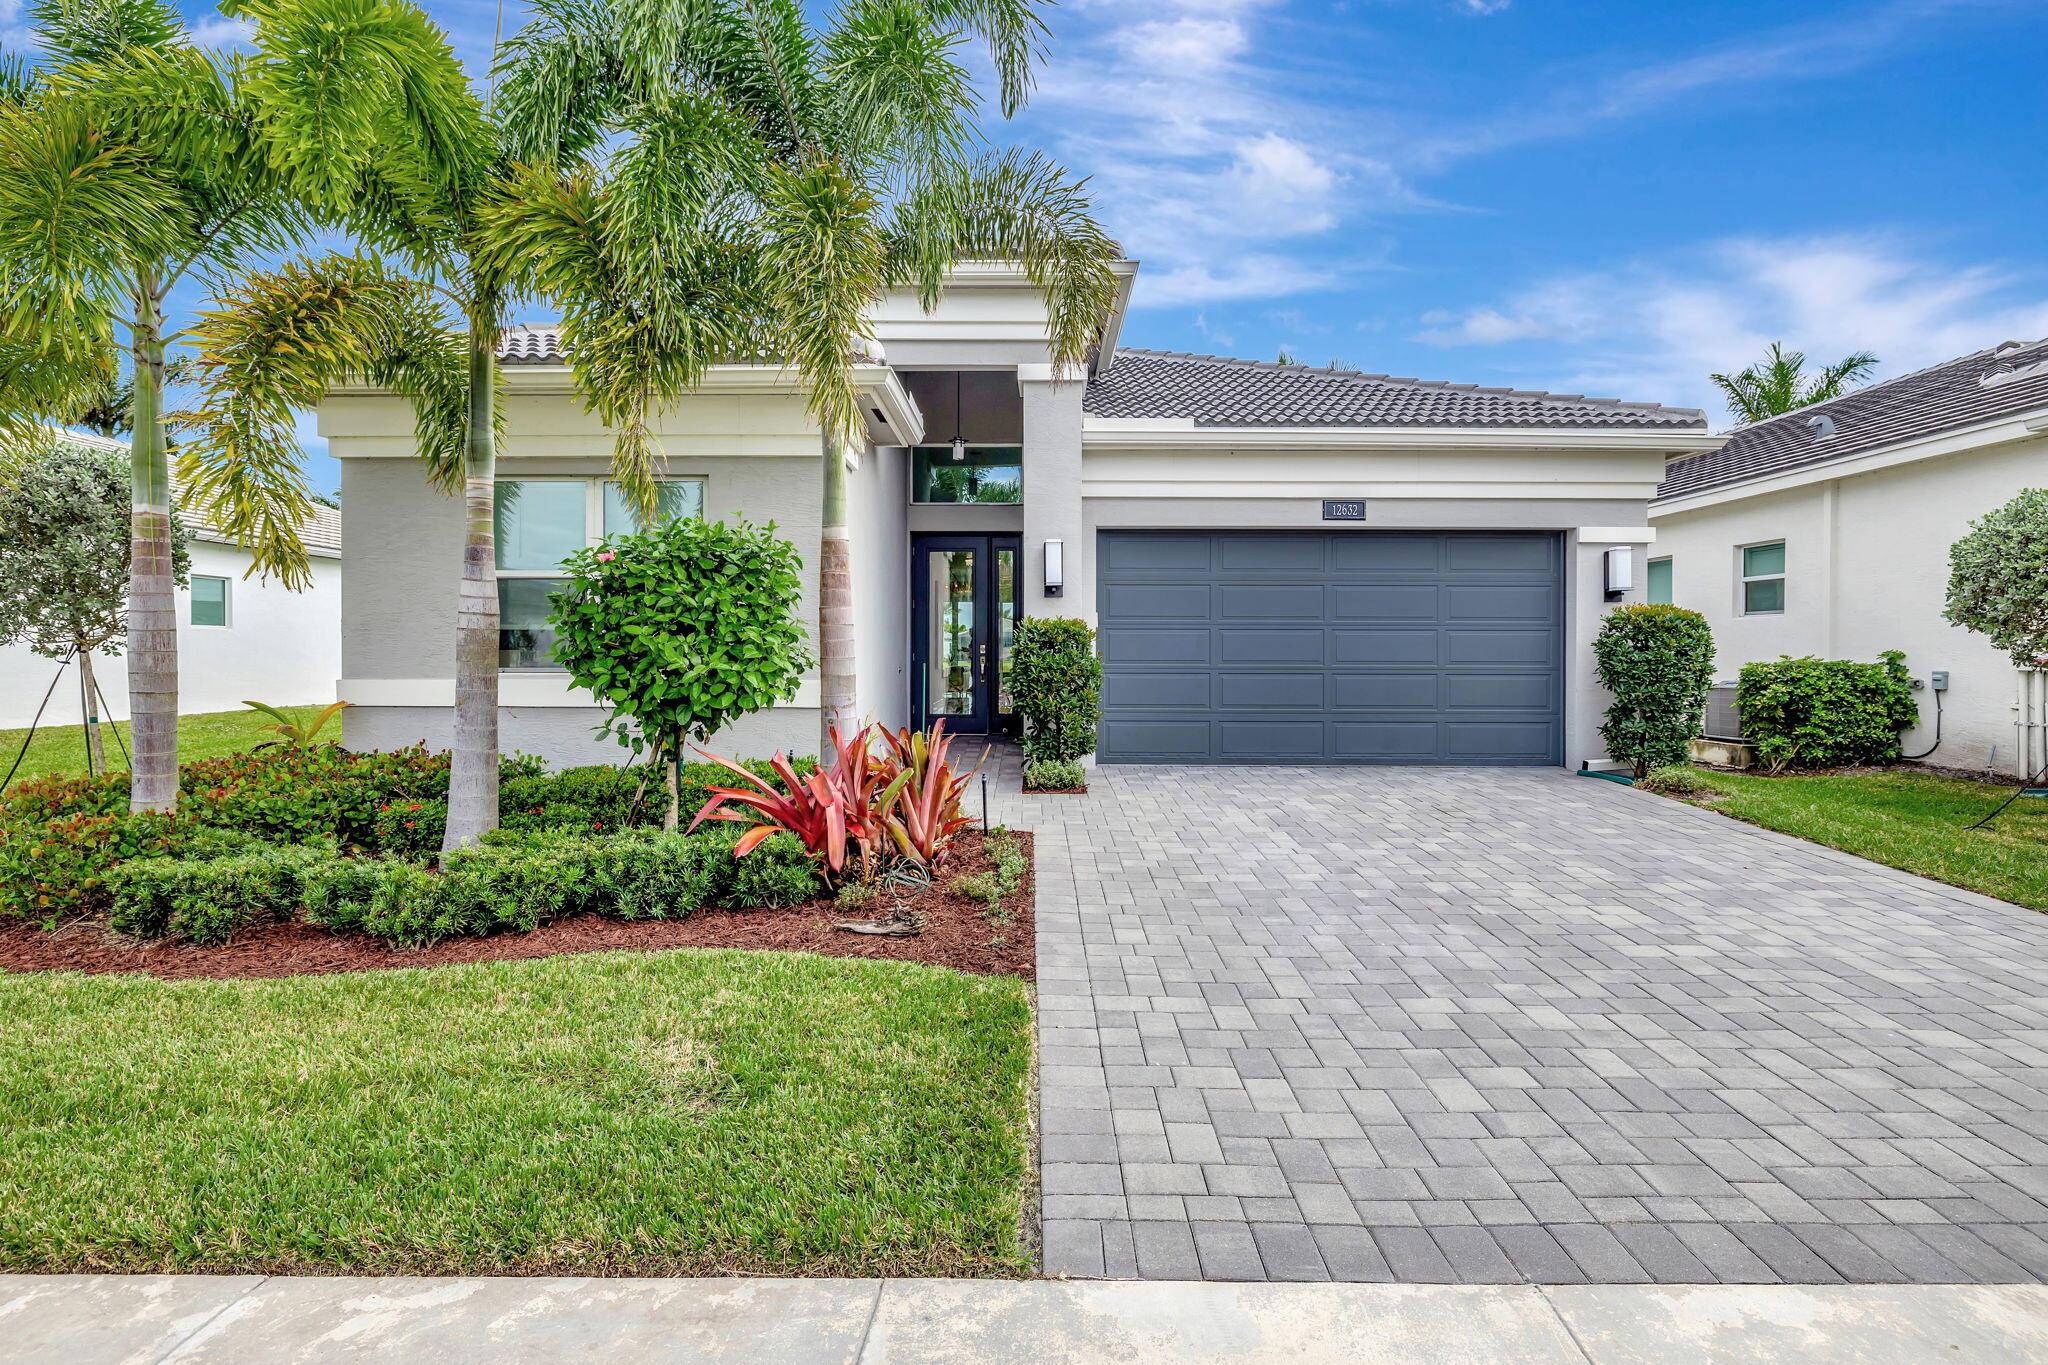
1436, 1024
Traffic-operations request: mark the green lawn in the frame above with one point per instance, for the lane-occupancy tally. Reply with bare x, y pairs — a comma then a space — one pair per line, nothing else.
61, 748
1915, 821
672, 1113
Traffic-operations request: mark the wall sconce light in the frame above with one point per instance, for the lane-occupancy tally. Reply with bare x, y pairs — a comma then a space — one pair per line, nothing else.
1055, 570
1618, 573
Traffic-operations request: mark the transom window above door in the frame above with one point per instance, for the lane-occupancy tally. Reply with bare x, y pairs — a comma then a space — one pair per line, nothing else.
540, 523
984, 474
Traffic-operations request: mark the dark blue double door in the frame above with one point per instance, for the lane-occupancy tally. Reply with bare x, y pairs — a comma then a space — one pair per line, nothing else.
964, 608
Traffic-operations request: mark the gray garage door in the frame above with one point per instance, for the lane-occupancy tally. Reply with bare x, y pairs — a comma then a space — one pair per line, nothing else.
1346, 647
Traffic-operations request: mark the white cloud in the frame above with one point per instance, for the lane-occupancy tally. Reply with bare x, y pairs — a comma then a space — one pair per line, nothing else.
1215, 336
1656, 329
222, 31
1484, 6
1247, 277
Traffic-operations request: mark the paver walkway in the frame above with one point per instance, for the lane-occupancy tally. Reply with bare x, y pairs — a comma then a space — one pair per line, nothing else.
1458, 1025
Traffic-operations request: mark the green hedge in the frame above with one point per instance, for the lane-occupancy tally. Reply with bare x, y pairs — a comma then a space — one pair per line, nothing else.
207, 900
1826, 713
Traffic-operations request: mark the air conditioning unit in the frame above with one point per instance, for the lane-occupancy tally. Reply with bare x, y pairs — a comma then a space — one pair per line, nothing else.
1723, 721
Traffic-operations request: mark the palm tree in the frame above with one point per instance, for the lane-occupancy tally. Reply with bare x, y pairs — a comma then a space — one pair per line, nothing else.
802, 173
1779, 384
133, 160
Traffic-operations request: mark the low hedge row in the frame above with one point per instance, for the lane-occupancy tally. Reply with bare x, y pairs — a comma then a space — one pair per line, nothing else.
514, 882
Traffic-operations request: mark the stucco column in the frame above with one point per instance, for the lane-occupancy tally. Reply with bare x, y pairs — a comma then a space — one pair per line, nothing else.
1052, 492
1585, 701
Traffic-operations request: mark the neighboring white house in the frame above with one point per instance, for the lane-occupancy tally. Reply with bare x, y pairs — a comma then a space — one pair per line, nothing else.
239, 638
1826, 531
1286, 564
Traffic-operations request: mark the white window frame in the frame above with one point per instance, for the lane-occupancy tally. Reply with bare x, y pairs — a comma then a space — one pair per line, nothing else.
593, 526
227, 602
1743, 578
1649, 567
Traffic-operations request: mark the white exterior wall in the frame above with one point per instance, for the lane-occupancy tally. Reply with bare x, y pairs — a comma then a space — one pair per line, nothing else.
279, 647
1866, 560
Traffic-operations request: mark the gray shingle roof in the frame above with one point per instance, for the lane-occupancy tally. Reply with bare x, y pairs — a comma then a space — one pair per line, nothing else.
2003, 381
1219, 392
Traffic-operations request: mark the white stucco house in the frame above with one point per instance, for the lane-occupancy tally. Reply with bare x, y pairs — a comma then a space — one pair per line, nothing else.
1826, 531
238, 637
1285, 564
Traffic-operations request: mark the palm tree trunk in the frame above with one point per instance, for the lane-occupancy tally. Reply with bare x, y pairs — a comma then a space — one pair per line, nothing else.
95, 747
473, 776
152, 600
835, 610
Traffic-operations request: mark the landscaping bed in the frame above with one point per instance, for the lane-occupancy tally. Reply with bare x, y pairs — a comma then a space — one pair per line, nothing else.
689, 1113
1913, 820
957, 930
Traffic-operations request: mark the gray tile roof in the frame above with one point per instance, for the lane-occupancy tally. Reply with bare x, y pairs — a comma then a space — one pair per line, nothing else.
2003, 381
1219, 392
528, 345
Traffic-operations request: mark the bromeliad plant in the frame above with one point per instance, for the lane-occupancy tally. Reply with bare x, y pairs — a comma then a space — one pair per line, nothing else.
292, 734
901, 801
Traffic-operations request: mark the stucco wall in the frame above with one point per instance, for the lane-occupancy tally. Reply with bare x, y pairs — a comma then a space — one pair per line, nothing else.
876, 496
278, 647
1866, 570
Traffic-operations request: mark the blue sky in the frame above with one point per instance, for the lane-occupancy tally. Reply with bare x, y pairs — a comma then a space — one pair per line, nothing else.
1585, 196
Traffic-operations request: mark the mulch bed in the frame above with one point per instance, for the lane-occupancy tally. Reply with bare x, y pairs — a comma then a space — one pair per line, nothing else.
958, 932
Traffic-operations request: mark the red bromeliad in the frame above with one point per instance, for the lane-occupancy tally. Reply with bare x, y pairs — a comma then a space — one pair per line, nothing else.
920, 809
827, 809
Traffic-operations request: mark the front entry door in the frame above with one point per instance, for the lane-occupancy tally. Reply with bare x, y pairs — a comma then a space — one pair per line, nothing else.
964, 605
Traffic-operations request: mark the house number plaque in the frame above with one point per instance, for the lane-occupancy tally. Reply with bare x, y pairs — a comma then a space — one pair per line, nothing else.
1343, 509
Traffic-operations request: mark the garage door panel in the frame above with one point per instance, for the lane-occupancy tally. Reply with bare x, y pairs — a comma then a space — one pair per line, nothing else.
1385, 691
1499, 554
1388, 602
1385, 740
1298, 690
1500, 692
1158, 553
1500, 602
1156, 645
1383, 552
1157, 601
1331, 647
1270, 602
1243, 645
1154, 691
1352, 646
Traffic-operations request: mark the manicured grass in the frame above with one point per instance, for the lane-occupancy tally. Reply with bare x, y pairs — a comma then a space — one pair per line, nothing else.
61, 748
1914, 821
671, 1113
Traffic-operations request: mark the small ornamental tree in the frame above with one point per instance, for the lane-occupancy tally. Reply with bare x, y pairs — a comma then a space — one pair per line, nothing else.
681, 630
1998, 578
1657, 661
64, 548
1056, 686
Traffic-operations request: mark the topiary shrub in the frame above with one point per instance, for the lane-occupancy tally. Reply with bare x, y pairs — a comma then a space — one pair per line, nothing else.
1657, 661
1998, 578
1826, 713
1056, 685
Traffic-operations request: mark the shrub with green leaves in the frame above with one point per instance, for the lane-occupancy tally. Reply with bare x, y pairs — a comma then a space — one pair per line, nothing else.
1056, 685
1054, 775
340, 891
776, 873
1657, 660
53, 869
1826, 713
411, 829
681, 629
1998, 578
207, 900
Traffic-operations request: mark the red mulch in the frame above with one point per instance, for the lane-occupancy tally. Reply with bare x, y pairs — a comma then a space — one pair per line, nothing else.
957, 933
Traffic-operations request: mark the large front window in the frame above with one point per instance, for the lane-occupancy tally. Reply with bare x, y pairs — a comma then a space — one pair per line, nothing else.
540, 523
986, 474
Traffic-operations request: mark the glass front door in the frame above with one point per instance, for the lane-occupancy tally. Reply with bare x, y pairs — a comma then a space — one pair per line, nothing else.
964, 606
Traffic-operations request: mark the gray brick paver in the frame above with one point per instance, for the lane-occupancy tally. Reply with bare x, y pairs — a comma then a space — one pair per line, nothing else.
1434, 1024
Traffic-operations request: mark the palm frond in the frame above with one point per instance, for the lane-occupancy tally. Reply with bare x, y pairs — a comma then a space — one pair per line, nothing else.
824, 263
560, 79
900, 98
1835, 380
277, 344
92, 30
1014, 32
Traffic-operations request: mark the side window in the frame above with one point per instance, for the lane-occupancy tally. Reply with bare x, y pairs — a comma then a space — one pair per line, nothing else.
1763, 579
209, 600
1658, 586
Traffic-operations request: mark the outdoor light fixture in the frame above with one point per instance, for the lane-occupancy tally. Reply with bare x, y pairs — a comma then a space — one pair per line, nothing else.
1619, 571
959, 445
1055, 576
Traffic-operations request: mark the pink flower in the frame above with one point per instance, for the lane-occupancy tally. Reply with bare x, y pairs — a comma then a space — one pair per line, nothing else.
605, 556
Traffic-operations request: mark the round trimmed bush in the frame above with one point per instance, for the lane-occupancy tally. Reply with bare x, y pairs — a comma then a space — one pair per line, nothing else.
1657, 661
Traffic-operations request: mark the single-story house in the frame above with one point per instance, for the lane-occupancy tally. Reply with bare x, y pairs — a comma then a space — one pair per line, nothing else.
1826, 531
1285, 563
238, 637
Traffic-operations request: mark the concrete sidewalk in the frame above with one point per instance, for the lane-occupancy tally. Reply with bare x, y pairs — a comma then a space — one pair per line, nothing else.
82, 1320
